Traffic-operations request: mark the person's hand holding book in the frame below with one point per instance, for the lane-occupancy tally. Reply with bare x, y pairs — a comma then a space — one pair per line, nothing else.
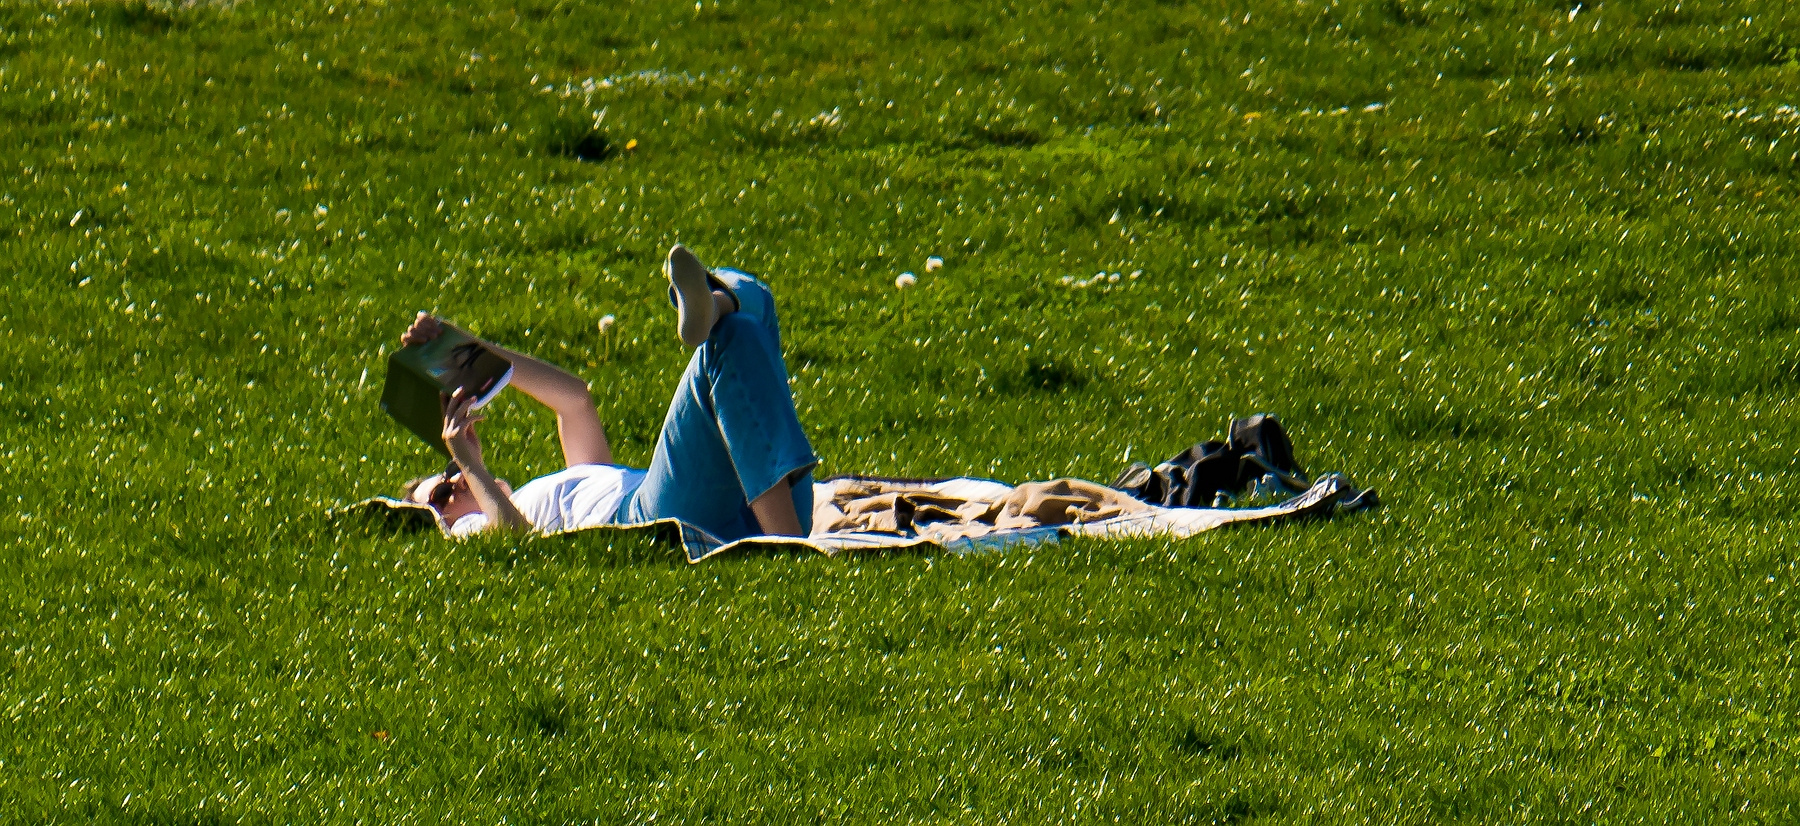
459, 428
424, 328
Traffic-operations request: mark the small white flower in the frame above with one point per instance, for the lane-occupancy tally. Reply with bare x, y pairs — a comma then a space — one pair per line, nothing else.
1113, 279
1115, 217
320, 211
933, 263
905, 280
1136, 273
606, 322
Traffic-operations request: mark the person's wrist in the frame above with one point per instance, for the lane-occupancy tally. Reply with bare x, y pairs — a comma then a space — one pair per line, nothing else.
468, 460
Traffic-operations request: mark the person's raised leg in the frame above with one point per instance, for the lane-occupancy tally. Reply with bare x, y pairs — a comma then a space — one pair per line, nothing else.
731, 435
777, 509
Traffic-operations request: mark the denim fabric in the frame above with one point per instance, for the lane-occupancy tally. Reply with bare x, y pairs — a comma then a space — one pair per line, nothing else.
731, 433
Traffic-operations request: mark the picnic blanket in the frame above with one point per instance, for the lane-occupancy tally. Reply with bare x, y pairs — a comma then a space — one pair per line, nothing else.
960, 515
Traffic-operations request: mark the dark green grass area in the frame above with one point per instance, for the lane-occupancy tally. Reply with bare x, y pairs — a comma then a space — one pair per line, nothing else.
1524, 267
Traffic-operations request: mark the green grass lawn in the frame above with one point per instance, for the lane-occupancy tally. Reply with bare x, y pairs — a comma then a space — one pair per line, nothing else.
1524, 267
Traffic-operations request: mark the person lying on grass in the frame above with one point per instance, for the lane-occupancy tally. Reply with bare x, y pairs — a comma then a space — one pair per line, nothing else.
731, 458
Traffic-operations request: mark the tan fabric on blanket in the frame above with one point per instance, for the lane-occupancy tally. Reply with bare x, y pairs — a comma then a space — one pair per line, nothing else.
908, 508
1063, 502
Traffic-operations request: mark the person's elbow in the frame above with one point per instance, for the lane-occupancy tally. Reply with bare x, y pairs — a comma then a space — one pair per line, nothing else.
573, 393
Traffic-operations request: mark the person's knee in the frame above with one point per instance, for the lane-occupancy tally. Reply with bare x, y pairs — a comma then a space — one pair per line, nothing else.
753, 296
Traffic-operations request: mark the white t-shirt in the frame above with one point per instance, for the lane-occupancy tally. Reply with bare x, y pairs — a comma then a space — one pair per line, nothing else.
581, 496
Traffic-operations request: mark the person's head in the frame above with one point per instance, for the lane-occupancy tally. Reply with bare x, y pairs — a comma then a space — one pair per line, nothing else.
446, 492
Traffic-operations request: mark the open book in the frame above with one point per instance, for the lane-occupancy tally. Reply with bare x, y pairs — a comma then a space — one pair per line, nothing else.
421, 377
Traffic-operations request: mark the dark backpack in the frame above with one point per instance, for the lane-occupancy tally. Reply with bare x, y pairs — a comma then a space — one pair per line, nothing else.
1258, 447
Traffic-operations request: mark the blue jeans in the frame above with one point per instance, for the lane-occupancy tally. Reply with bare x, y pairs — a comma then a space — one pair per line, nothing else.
732, 432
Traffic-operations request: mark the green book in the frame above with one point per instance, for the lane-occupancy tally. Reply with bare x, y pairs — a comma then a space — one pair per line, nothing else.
421, 377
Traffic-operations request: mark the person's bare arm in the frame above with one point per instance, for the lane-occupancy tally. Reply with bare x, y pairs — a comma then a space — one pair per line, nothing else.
459, 436
577, 422
775, 511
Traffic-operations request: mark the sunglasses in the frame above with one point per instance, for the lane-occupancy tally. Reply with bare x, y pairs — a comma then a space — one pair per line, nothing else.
440, 493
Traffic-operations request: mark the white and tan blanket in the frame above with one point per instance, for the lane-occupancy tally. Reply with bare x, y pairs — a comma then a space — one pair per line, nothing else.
961, 515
